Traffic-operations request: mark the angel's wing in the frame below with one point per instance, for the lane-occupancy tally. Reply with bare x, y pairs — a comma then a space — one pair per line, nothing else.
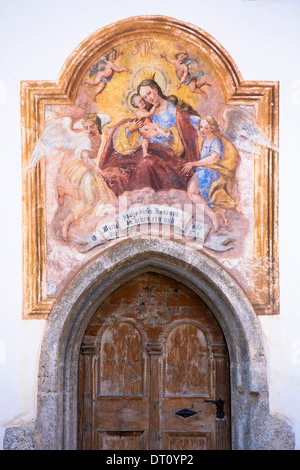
60, 133
192, 63
57, 134
98, 67
195, 67
104, 119
241, 128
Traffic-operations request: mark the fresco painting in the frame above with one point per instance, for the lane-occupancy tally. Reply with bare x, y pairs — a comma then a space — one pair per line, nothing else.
149, 147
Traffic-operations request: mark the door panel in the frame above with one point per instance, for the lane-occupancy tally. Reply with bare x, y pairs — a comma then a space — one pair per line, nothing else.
122, 414
120, 365
186, 363
153, 360
187, 441
126, 440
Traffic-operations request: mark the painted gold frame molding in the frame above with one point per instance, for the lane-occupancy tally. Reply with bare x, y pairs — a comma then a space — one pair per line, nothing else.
35, 95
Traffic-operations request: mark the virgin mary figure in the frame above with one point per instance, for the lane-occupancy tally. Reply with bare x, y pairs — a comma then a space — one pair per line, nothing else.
123, 163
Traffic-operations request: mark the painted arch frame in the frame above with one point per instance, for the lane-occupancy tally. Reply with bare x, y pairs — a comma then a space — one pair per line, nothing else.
261, 95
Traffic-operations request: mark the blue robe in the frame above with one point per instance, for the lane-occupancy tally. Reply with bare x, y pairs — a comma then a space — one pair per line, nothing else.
205, 177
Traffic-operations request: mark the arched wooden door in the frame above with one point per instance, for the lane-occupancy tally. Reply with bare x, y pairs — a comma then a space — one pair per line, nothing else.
153, 371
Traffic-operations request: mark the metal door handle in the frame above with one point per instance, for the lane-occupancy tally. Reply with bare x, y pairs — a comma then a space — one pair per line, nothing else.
219, 407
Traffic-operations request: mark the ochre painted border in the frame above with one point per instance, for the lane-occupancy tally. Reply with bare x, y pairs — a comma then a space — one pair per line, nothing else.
263, 96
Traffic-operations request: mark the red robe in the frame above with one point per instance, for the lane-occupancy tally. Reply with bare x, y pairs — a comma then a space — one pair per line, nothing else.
162, 171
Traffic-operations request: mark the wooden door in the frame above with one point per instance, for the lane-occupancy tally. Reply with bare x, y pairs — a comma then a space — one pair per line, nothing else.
153, 372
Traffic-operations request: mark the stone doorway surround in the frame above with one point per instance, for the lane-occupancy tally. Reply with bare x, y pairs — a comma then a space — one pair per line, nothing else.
55, 426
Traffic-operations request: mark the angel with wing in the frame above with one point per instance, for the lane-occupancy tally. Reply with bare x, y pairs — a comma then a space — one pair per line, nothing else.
213, 181
81, 188
104, 71
183, 66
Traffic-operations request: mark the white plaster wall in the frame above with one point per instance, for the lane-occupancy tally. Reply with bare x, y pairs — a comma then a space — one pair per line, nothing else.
36, 37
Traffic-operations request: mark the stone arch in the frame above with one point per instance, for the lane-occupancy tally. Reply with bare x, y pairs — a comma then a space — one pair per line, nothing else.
55, 427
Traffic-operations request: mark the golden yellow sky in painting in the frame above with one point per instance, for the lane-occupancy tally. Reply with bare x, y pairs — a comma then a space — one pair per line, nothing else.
142, 58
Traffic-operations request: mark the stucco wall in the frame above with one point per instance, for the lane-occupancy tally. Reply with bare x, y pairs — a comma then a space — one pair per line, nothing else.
36, 40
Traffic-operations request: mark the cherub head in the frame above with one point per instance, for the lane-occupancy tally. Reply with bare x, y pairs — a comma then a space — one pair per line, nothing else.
111, 55
181, 56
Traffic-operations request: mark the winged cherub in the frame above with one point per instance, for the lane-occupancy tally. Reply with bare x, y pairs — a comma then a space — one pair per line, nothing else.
183, 64
104, 70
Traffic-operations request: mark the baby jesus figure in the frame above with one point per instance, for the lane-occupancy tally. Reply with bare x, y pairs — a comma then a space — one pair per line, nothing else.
143, 121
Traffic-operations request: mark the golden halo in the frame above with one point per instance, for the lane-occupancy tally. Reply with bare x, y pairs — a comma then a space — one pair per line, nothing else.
150, 72
143, 74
